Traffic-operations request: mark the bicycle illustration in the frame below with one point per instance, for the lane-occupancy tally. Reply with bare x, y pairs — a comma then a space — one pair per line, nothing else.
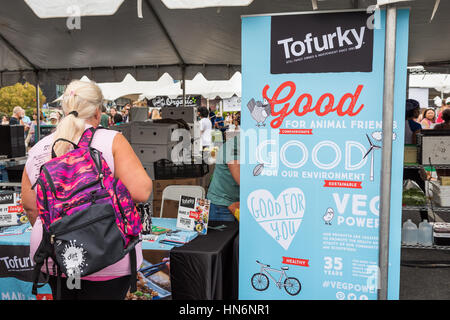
260, 281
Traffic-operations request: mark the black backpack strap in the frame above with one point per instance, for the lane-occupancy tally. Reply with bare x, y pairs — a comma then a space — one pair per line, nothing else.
42, 254
58, 283
36, 274
61, 139
133, 264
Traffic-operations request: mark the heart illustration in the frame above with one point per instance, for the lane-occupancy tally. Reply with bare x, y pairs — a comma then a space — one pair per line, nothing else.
280, 218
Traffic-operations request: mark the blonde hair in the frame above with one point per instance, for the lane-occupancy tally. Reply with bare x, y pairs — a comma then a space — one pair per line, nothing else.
84, 99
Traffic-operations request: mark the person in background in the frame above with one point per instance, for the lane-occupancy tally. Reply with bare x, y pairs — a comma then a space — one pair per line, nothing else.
112, 112
156, 115
53, 119
16, 116
26, 122
212, 115
32, 133
412, 128
237, 120
85, 98
229, 119
26, 119
428, 118
445, 125
205, 128
104, 121
443, 108
223, 191
126, 113
220, 124
5, 121
118, 119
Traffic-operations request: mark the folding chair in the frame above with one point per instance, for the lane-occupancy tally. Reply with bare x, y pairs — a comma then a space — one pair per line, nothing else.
176, 191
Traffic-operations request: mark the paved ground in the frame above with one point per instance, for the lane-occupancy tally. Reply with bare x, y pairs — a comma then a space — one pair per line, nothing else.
419, 283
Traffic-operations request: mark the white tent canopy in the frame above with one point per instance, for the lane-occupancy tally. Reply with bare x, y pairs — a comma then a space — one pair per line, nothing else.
166, 86
223, 89
199, 86
177, 41
130, 87
439, 82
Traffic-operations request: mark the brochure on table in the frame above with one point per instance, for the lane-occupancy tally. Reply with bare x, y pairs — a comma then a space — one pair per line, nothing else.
193, 214
11, 210
311, 135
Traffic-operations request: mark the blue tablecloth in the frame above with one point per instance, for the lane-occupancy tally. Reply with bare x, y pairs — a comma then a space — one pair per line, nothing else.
16, 266
20, 235
169, 223
212, 253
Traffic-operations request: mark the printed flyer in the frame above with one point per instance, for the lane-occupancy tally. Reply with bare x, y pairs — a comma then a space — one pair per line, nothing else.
193, 214
311, 135
11, 211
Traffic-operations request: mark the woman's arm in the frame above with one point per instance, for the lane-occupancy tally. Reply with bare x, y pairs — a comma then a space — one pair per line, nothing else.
235, 170
425, 124
29, 199
129, 170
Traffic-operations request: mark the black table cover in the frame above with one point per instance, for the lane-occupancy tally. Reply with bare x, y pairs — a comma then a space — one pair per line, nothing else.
206, 267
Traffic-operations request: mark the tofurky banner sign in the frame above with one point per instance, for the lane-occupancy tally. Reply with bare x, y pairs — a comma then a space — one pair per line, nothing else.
311, 135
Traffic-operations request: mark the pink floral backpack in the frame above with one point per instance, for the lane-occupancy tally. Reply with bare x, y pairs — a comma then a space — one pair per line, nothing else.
88, 216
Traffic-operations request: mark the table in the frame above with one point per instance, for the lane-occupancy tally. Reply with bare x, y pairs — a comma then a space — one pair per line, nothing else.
203, 269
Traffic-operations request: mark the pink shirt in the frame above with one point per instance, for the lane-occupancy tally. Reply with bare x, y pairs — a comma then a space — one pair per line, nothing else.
41, 153
439, 119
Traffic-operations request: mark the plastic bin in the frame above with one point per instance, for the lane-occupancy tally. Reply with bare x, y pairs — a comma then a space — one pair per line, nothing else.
165, 169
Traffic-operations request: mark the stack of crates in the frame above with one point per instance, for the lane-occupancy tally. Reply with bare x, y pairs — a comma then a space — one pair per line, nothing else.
189, 115
12, 141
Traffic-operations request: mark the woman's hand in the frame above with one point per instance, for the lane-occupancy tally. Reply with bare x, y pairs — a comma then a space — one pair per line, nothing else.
232, 207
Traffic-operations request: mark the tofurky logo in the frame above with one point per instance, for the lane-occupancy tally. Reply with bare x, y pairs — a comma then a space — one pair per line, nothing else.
310, 43
188, 202
7, 198
17, 264
350, 37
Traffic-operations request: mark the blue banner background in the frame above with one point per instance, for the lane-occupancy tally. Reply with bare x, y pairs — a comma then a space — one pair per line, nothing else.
342, 272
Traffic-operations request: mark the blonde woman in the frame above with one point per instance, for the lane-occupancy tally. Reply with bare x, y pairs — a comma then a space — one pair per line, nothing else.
82, 102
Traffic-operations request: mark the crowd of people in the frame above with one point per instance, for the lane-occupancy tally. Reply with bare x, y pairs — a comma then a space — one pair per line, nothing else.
428, 119
210, 120
119, 115
418, 121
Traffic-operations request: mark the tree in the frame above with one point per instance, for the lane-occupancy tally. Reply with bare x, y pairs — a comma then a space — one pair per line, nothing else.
23, 95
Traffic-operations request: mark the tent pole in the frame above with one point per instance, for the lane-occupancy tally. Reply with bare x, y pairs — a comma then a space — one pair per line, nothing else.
183, 70
386, 162
38, 110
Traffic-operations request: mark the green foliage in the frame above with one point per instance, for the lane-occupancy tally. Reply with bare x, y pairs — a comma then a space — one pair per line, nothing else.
23, 95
